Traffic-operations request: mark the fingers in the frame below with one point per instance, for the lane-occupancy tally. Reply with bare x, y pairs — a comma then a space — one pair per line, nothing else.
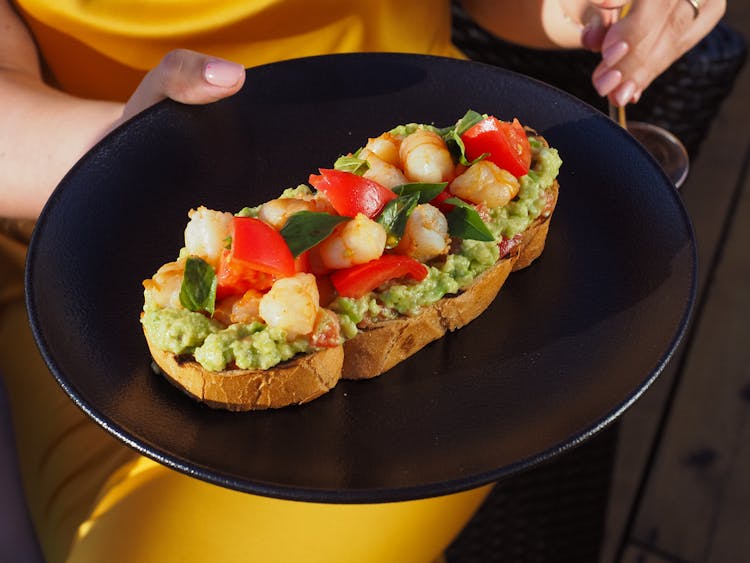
642, 45
187, 77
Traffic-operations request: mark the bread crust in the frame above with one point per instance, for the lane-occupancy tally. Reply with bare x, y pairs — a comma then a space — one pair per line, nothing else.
298, 381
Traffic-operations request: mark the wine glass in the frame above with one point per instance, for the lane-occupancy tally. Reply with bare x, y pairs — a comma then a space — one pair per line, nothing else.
665, 147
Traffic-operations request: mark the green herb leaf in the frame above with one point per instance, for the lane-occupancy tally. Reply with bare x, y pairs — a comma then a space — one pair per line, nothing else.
305, 229
198, 290
351, 163
426, 191
452, 137
394, 216
469, 120
465, 223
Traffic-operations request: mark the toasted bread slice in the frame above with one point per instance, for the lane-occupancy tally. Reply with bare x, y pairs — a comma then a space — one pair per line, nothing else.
297, 381
376, 350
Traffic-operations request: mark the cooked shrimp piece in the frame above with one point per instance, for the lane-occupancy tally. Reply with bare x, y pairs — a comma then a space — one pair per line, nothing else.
425, 235
385, 147
354, 242
381, 171
485, 183
425, 157
239, 308
291, 305
277, 211
164, 288
206, 233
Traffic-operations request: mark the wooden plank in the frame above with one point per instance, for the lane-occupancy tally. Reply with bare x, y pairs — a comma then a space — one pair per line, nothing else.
730, 540
687, 490
707, 195
635, 554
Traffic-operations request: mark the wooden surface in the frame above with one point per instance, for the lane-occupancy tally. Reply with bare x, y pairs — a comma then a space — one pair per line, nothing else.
681, 488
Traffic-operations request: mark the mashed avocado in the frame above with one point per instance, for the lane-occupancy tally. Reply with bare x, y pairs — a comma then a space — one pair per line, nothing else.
177, 330
249, 346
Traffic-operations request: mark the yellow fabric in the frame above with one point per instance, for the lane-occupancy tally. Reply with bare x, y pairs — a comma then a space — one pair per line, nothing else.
92, 499
119, 40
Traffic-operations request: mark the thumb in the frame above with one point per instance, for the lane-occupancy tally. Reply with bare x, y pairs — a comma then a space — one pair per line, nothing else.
188, 77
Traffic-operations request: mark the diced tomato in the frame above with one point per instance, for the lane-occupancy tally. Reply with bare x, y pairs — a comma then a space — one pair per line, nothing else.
315, 262
327, 330
506, 143
350, 194
508, 244
438, 201
259, 254
235, 277
326, 291
302, 263
358, 280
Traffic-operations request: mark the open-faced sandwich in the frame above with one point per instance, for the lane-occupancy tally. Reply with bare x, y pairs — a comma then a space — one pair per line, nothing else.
408, 237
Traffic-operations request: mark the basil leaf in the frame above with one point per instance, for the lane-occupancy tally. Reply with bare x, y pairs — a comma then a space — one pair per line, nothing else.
452, 137
351, 163
469, 120
305, 229
427, 192
198, 290
394, 216
465, 223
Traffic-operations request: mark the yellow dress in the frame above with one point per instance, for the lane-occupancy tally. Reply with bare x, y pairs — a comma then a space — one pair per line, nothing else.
101, 48
91, 498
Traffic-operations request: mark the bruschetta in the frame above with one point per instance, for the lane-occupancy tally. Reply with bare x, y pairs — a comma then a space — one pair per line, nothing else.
345, 276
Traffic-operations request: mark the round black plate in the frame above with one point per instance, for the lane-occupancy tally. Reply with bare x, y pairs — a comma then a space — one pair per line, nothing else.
567, 346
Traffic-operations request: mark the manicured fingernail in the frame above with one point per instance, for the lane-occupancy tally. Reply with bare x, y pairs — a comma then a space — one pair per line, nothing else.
612, 54
624, 93
607, 82
222, 73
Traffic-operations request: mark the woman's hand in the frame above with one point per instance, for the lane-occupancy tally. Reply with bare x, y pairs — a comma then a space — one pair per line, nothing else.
47, 131
643, 44
187, 77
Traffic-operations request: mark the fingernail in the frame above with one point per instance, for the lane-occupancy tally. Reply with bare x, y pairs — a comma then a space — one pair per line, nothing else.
612, 54
625, 93
222, 73
637, 96
607, 82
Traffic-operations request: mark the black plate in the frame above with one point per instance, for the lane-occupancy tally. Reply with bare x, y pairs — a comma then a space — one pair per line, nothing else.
568, 345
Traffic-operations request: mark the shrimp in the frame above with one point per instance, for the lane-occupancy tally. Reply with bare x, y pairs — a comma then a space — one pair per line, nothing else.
163, 289
206, 233
239, 308
385, 147
354, 242
277, 211
425, 157
382, 171
426, 234
291, 305
485, 183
